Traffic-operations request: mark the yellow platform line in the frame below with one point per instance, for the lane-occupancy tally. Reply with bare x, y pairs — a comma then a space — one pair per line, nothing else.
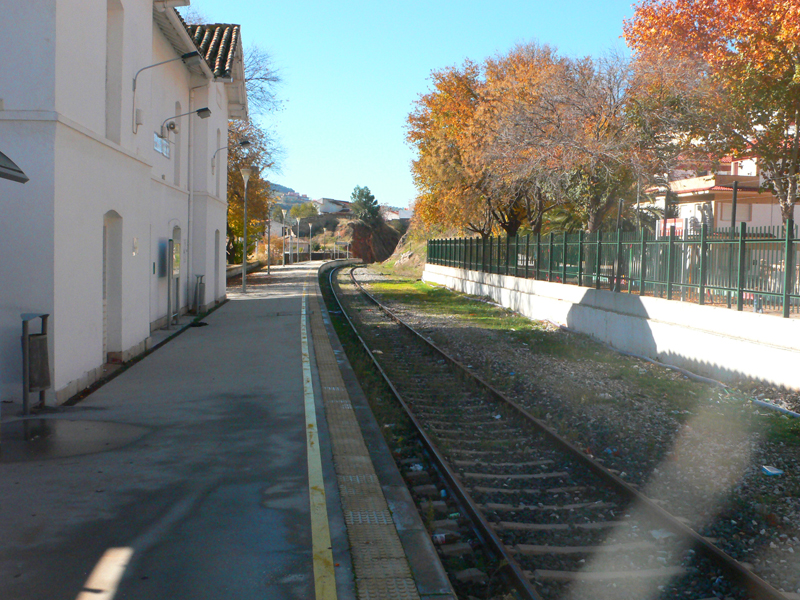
324, 576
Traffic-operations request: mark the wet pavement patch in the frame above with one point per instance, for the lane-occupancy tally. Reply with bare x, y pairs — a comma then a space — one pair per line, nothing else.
43, 439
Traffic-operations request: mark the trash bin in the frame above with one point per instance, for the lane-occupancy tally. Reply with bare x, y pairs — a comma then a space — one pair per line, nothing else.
35, 360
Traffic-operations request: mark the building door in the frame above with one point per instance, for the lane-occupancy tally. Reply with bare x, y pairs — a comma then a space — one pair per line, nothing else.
112, 287
216, 266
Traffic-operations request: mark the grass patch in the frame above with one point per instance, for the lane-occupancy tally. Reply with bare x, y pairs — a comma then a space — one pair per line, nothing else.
541, 338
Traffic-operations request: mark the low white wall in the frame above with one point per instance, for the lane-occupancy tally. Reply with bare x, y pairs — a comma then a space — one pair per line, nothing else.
717, 342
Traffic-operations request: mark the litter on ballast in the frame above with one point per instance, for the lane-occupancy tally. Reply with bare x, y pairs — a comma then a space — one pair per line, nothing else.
661, 534
767, 470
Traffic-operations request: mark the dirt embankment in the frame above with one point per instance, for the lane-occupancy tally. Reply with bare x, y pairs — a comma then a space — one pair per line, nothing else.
370, 243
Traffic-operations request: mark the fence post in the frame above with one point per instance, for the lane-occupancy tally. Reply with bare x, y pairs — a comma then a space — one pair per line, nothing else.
564, 260
670, 253
483, 254
788, 261
538, 254
740, 275
703, 263
643, 263
618, 262
550, 259
527, 253
508, 251
598, 260
580, 257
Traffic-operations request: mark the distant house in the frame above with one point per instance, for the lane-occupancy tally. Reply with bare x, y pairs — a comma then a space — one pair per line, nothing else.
329, 205
114, 114
391, 213
708, 197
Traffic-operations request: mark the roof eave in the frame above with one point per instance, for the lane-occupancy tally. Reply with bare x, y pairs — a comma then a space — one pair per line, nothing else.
171, 25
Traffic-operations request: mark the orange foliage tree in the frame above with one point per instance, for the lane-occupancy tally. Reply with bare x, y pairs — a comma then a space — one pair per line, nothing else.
449, 194
747, 63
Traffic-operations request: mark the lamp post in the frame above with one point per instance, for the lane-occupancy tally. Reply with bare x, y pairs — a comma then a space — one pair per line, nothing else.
269, 235
241, 144
283, 233
246, 176
190, 59
203, 113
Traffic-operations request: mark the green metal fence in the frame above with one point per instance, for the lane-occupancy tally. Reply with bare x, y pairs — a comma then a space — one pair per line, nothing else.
755, 268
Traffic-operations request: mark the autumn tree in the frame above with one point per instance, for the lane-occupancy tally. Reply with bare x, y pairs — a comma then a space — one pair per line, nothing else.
747, 54
449, 194
510, 141
259, 156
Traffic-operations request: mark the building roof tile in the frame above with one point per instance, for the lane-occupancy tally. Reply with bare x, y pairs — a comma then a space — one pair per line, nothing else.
217, 43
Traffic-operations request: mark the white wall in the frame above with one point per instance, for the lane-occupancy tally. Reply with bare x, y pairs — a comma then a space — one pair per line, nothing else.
25, 22
93, 177
26, 240
717, 342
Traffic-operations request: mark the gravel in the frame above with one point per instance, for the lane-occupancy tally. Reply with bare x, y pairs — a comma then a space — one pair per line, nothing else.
700, 457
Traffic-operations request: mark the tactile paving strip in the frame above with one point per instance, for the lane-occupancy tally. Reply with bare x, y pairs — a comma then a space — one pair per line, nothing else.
381, 567
380, 589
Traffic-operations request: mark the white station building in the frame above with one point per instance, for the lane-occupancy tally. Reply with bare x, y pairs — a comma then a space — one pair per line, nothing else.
114, 110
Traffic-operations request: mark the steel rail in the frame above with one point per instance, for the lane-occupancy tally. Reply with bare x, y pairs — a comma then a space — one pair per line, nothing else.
513, 571
757, 587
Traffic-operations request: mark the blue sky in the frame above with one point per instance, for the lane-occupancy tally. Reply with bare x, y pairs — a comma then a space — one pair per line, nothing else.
352, 70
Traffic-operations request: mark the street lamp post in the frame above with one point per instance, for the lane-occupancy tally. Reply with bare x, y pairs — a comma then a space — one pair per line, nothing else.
269, 235
283, 234
246, 176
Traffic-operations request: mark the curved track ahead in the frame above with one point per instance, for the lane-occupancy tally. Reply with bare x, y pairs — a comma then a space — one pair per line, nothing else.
564, 525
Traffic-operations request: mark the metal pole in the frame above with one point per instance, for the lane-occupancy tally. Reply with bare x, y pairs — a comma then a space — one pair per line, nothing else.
598, 260
733, 236
788, 261
269, 235
740, 276
643, 263
26, 367
244, 242
670, 253
703, 262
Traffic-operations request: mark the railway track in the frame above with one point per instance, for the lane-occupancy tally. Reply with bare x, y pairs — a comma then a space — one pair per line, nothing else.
561, 524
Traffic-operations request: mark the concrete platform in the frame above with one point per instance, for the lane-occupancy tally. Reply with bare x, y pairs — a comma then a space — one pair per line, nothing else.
215, 468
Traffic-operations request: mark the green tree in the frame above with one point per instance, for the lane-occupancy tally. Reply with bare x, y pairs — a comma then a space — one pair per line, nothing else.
305, 210
364, 205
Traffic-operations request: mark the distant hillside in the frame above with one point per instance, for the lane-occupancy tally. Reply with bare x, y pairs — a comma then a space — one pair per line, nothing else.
281, 189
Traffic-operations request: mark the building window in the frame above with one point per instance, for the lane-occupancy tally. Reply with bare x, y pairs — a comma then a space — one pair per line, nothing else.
161, 145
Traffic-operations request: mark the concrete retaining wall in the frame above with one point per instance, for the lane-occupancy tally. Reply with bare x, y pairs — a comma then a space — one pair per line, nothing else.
716, 342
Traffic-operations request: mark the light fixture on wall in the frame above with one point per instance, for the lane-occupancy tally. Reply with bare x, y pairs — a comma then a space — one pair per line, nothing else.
190, 59
242, 144
170, 125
